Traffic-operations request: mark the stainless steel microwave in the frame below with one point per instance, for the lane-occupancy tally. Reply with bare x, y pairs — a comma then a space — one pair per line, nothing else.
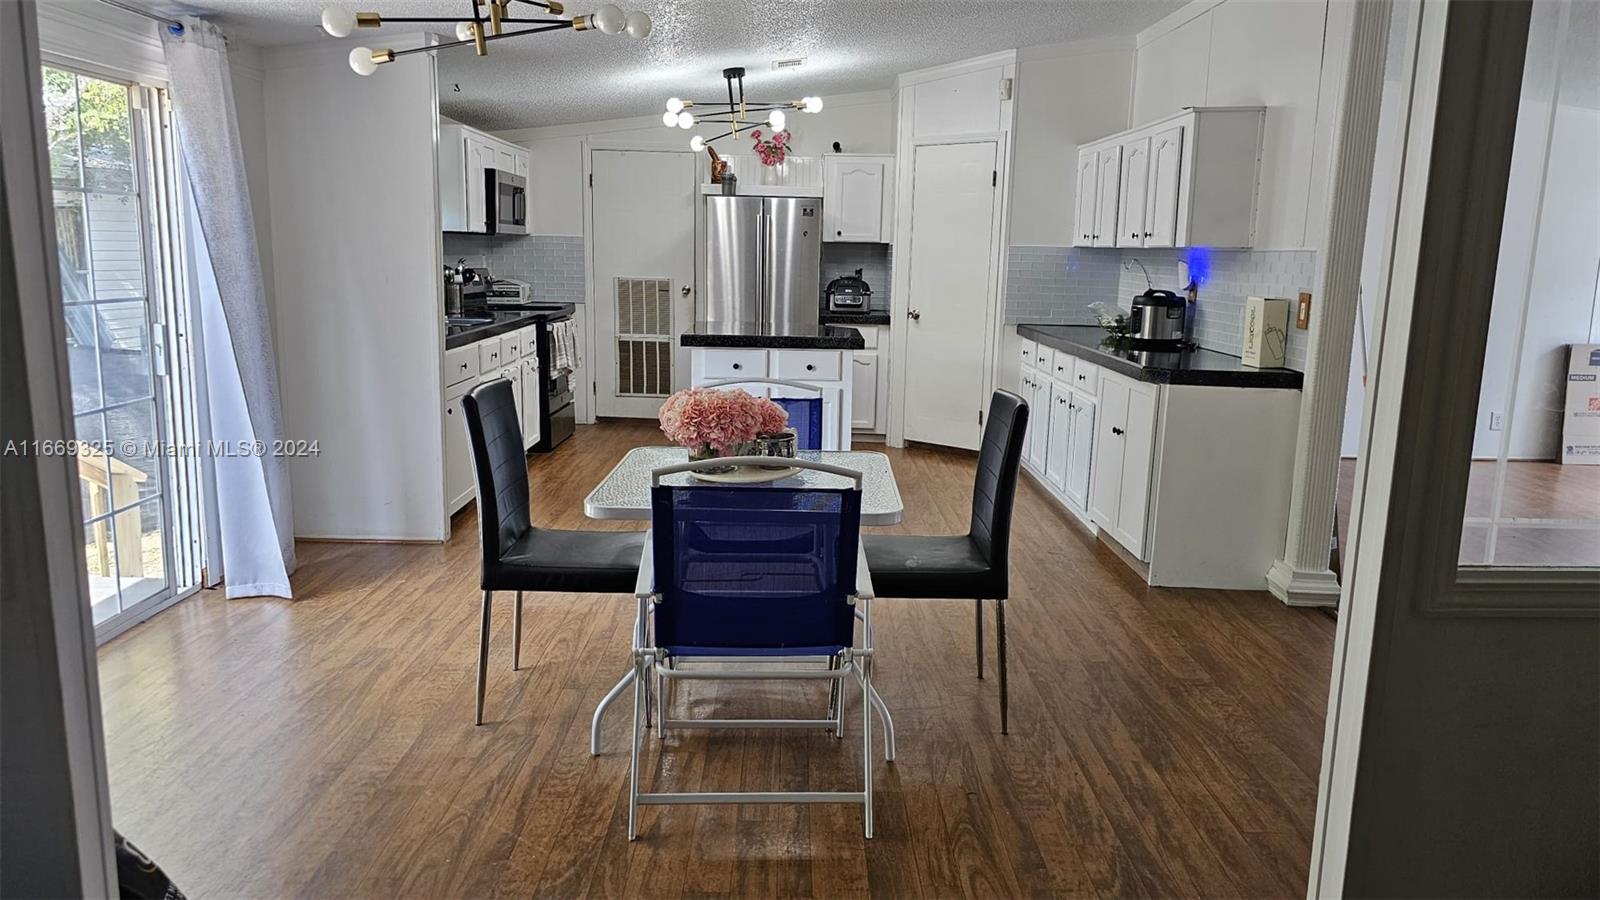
506, 202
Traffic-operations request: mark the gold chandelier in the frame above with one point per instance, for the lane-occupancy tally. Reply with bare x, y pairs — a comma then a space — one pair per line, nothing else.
735, 112
486, 23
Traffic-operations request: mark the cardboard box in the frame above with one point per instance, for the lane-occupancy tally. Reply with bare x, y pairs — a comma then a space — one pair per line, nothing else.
1266, 332
1580, 424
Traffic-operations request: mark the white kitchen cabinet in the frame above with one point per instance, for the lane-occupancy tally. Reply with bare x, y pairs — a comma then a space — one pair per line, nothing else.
1107, 192
532, 401
1080, 451
1059, 443
858, 198
1124, 439
1085, 199
465, 157
1036, 390
869, 386
1132, 205
458, 487
1161, 207
1188, 180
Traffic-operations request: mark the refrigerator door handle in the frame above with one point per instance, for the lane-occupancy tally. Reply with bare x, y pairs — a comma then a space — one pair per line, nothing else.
763, 249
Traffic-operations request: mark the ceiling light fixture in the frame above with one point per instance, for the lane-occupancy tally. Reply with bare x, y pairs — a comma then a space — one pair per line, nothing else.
736, 112
485, 24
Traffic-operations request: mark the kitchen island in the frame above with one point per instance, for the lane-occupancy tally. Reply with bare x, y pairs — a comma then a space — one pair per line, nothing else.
812, 358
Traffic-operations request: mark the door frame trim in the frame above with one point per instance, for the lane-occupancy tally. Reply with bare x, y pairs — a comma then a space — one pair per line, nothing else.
1412, 477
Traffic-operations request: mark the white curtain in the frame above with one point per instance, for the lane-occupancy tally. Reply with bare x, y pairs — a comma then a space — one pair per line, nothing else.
254, 519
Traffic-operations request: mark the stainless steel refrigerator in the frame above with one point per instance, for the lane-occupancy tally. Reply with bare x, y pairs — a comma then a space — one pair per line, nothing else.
763, 259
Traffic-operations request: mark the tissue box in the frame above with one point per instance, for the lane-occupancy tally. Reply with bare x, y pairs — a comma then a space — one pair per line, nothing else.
1580, 423
1266, 331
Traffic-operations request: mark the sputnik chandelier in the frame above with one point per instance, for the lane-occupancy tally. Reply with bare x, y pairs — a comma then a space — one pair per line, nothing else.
734, 113
485, 24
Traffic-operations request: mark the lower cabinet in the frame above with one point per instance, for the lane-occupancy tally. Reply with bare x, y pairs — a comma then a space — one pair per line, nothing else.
1060, 440
513, 359
1119, 495
869, 383
457, 449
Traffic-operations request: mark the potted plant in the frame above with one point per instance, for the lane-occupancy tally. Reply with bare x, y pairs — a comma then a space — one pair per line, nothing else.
716, 423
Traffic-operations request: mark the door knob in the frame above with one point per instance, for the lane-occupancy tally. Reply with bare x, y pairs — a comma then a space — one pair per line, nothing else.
686, 290
914, 315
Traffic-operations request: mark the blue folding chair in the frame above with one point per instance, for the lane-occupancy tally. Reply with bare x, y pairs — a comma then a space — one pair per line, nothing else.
759, 579
805, 413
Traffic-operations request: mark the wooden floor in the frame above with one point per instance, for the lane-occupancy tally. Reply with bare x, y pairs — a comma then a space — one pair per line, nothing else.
1164, 742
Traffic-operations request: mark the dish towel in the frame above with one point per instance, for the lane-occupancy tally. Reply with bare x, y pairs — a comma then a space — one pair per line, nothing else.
564, 346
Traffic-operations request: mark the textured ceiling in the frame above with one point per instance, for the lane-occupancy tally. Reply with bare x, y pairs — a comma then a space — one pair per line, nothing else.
564, 77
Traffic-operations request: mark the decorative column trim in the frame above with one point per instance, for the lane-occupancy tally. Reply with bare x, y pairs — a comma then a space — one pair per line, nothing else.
1302, 577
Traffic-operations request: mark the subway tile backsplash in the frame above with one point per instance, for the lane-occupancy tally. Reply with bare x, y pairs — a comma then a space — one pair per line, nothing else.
551, 263
1056, 284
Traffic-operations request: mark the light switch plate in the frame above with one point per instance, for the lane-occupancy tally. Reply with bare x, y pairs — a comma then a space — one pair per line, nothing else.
1302, 314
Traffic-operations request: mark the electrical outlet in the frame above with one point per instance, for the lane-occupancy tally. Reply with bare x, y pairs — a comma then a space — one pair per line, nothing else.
1497, 420
1302, 313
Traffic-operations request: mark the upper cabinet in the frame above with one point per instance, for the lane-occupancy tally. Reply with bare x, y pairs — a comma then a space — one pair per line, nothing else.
1188, 180
858, 198
465, 157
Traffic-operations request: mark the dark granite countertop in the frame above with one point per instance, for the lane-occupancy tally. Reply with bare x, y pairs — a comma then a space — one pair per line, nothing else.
1188, 367
502, 321
870, 317
748, 334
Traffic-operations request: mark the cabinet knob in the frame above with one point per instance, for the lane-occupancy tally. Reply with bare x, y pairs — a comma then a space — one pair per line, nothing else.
839, 233
1081, 377
738, 366
810, 367
1133, 234
914, 315
1147, 234
1117, 431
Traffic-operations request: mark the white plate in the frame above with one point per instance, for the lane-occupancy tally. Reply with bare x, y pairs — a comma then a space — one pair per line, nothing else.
746, 475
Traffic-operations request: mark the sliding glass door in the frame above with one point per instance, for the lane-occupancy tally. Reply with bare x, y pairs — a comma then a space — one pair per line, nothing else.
110, 167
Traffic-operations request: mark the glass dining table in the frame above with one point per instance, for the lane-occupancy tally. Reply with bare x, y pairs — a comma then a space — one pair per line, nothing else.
625, 494
625, 491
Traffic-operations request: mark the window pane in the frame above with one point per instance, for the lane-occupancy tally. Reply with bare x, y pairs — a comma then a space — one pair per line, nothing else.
124, 337
141, 553
107, 137
61, 127
100, 551
1534, 494
91, 430
115, 252
72, 246
137, 461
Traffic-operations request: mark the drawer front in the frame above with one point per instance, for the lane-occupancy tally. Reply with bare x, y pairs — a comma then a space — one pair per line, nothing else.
489, 358
1027, 354
1044, 359
1061, 368
530, 341
511, 348
461, 364
743, 363
808, 365
1085, 377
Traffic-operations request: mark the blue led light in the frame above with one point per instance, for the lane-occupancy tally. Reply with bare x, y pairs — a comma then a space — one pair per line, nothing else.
1199, 260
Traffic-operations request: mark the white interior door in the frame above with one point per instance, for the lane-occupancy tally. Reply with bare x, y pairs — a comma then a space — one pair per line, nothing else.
642, 249
953, 218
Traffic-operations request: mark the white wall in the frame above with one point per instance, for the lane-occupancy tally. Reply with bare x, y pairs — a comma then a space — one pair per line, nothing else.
1066, 95
356, 257
861, 123
1249, 53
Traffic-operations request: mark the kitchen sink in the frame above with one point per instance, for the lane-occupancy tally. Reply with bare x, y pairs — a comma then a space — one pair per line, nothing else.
467, 320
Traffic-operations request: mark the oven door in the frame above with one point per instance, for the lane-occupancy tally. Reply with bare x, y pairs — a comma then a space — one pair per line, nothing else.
508, 195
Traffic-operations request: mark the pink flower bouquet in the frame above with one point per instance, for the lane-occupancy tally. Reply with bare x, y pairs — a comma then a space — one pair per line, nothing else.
716, 422
774, 150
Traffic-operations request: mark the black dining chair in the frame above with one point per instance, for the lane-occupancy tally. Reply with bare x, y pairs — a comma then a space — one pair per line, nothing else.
517, 556
974, 565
